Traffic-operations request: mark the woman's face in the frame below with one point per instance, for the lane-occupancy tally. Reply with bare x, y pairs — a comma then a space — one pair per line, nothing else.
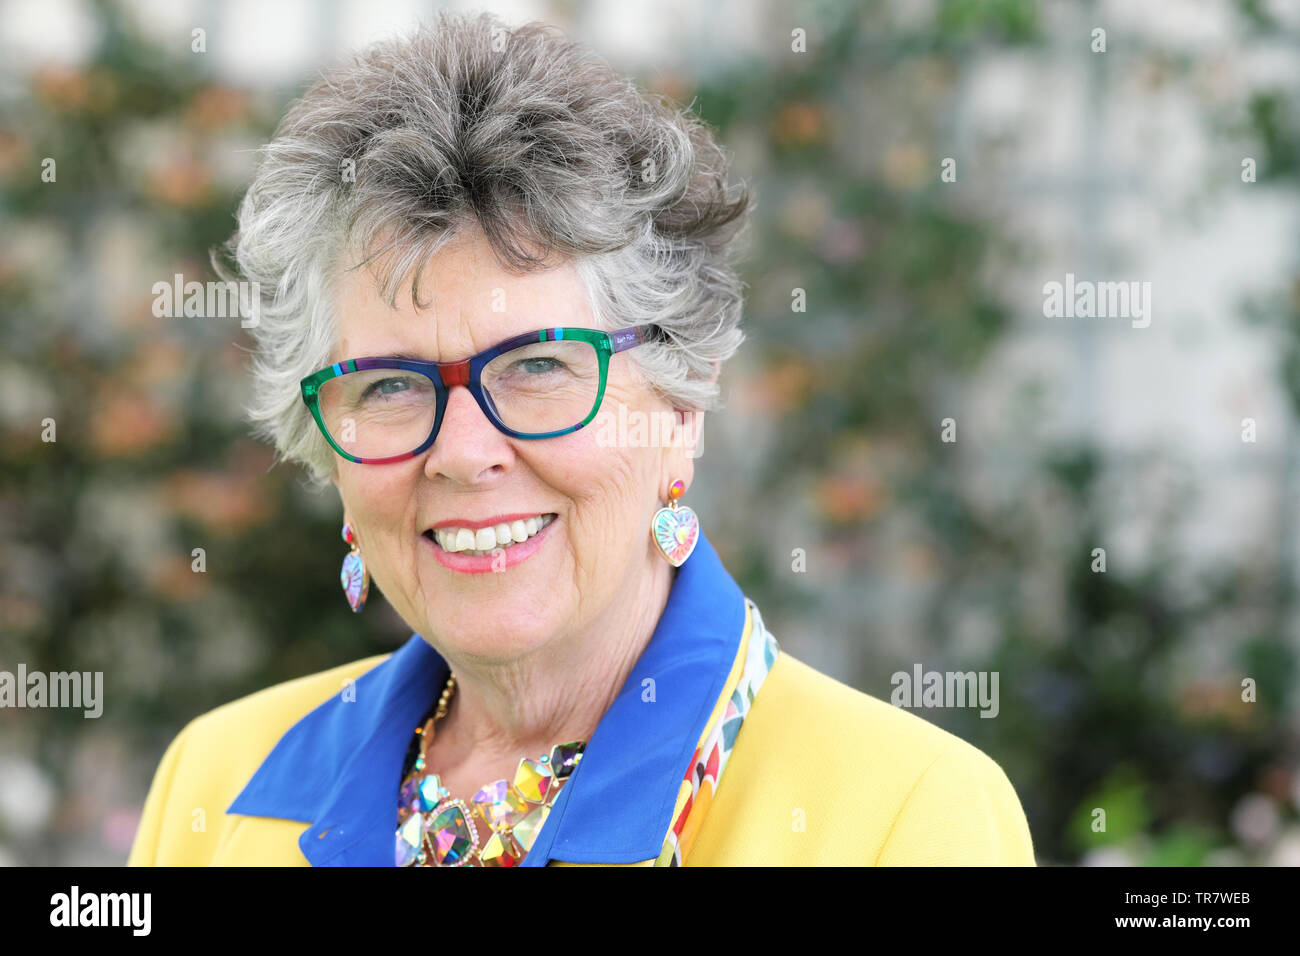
584, 570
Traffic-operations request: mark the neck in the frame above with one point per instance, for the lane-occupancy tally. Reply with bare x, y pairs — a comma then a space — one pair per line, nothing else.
502, 711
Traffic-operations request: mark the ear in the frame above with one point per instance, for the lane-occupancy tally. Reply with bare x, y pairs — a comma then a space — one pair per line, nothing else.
678, 459
691, 426
334, 483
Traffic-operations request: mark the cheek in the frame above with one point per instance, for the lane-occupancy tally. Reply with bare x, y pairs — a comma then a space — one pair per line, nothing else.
377, 498
608, 487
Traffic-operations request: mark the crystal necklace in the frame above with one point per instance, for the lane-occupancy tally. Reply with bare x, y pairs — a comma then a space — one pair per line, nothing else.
436, 829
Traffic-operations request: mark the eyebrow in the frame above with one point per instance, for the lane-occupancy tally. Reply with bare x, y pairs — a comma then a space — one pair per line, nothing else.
408, 357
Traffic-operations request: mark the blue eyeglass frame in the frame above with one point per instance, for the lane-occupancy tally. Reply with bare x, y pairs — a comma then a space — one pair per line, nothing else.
467, 372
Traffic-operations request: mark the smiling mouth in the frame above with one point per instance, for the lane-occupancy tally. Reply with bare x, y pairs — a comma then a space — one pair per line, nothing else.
485, 541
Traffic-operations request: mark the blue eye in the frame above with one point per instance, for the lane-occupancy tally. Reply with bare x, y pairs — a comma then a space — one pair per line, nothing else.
541, 365
386, 386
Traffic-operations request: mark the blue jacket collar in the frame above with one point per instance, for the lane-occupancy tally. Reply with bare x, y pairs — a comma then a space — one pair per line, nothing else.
338, 768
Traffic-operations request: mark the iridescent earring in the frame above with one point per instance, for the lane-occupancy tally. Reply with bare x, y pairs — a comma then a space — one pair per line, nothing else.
354, 577
675, 529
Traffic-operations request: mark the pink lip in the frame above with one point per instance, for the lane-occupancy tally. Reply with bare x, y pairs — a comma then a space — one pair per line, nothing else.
482, 564
489, 522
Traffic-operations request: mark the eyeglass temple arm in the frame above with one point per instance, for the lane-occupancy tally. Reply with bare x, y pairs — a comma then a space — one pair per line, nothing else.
632, 337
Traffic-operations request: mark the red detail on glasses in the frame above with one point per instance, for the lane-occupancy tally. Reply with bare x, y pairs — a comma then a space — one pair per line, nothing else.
456, 373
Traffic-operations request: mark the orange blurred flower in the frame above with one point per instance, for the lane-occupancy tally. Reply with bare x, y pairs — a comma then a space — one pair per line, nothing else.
14, 150
124, 424
905, 166
673, 85
849, 498
216, 106
61, 87
1202, 700
781, 388
181, 181
230, 502
158, 363
796, 124
173, 577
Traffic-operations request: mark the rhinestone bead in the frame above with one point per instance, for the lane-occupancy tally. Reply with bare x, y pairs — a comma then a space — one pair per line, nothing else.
533, 780
451, 834
500, 850
406, 853
431, 792
499, 805
409, 797
526, 830
565, 757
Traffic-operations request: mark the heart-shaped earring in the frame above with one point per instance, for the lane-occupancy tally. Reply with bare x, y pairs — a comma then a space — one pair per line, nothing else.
354, 577
675, 529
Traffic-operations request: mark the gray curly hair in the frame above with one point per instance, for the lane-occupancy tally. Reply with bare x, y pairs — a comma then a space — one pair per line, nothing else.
531, 136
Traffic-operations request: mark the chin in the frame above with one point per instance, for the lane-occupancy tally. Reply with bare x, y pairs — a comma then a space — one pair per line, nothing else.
500, 640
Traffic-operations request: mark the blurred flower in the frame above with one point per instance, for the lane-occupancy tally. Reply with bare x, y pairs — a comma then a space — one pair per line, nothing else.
124, 424
26, 795
805, 212
1200, 700
671, 84
20, 613
180, 181
15, 151
173, 577
841, 242
796, 124
228, 502
1277, 781
920, 561
61, 87
905, 166
158, 363
1255, 820
118, 828
216, 106
848, 498
780, 388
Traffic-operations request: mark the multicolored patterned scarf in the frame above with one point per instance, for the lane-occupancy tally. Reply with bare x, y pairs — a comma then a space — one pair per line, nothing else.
757, 652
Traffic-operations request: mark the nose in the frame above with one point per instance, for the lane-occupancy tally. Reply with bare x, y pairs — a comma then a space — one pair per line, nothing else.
468, 446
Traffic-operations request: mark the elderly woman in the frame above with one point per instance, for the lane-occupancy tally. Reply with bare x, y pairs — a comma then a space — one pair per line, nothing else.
477, 250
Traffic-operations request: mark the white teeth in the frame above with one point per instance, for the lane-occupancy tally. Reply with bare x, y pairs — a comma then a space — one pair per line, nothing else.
486, 540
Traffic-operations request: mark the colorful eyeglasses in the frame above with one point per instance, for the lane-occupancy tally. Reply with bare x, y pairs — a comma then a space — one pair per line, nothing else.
540, 384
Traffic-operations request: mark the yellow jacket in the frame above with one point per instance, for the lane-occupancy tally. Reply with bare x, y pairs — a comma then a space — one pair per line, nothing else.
812, 772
